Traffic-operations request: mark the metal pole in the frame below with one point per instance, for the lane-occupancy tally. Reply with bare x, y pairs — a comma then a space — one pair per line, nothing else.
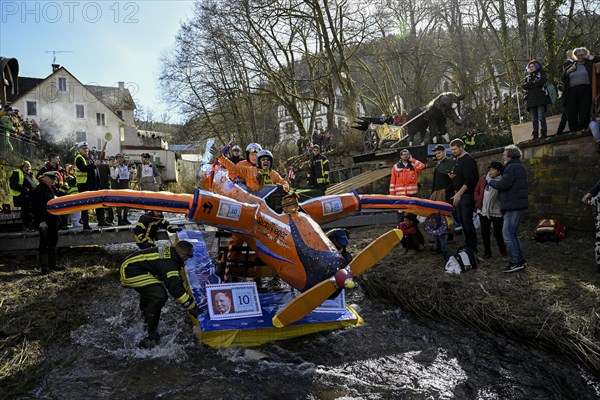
519, 105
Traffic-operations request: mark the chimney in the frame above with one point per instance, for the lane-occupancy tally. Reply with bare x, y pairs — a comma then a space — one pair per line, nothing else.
55, 67
121, 85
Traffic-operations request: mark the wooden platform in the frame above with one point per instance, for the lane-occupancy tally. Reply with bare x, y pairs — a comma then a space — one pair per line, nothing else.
522, 132
359, 181
17, 241
364, 218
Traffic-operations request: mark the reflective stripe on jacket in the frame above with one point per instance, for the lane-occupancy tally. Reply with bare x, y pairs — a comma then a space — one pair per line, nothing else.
404, 180
319, 170
157, 265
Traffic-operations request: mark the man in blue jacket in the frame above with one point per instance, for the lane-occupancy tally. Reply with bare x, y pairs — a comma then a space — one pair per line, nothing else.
512, 186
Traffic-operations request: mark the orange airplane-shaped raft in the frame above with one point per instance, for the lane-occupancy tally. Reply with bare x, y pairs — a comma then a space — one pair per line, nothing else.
288, 239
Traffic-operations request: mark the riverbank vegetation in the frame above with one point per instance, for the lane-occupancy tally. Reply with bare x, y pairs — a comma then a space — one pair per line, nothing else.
39, 312
554, 303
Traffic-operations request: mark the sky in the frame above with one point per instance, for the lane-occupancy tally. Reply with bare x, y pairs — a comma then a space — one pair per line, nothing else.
99, 42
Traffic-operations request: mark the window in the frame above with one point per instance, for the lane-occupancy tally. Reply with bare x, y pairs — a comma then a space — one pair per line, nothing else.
120, 114
79, 111
318, 123
62, 84
100, 119
80, 136
318, 108
339, 103
31, 108
290, 127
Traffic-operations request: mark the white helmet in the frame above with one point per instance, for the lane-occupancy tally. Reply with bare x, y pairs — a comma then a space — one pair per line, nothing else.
264, 153
253, 146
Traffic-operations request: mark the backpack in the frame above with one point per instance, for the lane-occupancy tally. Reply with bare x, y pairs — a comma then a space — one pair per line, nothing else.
549, 230
462, 261
552, 93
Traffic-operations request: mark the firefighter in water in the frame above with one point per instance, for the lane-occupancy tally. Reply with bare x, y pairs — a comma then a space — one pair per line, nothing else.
146, 230
149, 272
318, 173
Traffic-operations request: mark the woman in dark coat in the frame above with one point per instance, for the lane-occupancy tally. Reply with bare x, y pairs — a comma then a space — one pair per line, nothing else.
537, 97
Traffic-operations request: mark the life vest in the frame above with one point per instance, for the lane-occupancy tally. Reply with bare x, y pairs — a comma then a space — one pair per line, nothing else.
16, 193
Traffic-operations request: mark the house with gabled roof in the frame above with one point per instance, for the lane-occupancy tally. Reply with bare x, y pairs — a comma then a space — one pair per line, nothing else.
69, 108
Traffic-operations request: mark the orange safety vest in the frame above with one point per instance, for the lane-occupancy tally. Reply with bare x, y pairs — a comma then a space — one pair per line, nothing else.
404, 181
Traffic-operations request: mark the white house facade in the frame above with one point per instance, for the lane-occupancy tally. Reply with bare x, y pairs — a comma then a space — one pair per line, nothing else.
67, 108
289, 131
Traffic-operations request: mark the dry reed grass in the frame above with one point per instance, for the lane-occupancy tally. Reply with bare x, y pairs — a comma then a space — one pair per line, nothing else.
554, 303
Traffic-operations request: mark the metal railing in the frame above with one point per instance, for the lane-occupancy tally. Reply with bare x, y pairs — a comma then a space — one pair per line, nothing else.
13, 145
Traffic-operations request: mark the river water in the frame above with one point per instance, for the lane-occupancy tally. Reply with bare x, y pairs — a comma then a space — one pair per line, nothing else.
392, 356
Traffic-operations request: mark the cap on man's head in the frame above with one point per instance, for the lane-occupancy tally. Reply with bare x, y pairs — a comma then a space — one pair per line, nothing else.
497, 165
51, 174
439, 147
146, 155
119, 155
82, 144
25, 163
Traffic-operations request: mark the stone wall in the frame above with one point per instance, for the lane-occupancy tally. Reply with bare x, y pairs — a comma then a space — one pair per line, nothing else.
560, 169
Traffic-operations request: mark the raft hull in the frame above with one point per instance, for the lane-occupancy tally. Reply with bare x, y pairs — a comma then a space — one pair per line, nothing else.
250, 331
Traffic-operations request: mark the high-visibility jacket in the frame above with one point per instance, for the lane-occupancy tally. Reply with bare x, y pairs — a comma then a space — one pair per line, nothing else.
251, 175
81, 175
72, 184
16, 192
404, 180
318, 172
156, 265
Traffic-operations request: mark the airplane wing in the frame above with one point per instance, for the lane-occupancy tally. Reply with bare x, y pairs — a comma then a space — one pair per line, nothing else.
327, 208
209, 208
143, 200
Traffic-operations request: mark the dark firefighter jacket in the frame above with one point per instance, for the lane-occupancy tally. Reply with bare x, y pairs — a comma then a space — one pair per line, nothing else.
40, 197
146, 229
318, 173
157, 265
